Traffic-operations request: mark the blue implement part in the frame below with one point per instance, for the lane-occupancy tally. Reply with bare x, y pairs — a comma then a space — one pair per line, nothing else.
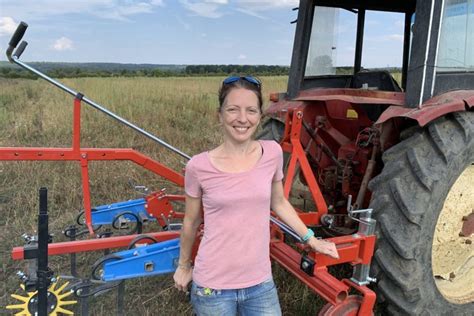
155, 259
105, 214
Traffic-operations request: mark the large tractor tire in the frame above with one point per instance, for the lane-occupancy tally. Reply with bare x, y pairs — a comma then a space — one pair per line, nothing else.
272, 129
426, 188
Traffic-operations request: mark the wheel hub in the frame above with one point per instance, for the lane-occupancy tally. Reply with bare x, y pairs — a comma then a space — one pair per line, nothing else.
453, 251
57, 301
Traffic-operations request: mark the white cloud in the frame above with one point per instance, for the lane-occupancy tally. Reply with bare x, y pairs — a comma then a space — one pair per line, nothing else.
110, 9
372, 23
262, 5
385, 38
62, 44
395, 37
185, 25
400, 24
253, 7
206, 8
242, 56
7, 25
215, 8
251, 13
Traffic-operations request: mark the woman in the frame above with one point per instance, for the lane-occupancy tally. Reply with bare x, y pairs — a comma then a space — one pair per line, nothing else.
237, 184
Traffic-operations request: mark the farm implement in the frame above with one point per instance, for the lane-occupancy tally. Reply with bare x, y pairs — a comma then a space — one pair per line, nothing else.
378, 167
162, 248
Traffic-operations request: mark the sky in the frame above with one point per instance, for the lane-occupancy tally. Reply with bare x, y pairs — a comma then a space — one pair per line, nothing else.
180, 32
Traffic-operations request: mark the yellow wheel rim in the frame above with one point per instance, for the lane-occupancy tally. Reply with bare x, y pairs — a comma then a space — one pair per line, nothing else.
453, 255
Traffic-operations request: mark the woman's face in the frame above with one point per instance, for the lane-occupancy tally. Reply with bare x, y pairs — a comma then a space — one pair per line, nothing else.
240, 115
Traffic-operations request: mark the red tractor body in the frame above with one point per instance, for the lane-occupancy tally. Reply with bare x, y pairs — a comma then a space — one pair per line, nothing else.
401, 150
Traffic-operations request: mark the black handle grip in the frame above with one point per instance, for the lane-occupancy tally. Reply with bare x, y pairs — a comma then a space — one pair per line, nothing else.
20, 49
20, 31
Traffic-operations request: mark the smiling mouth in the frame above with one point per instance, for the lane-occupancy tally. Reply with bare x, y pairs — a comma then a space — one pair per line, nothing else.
241, 129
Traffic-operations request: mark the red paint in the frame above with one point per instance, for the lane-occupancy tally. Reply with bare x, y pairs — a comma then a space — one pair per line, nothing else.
61, 248
453, 101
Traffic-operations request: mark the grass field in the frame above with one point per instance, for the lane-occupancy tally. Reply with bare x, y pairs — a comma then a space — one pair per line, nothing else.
182, 111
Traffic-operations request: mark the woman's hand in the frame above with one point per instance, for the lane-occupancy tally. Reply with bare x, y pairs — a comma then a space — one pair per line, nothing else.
325, 247
182, 277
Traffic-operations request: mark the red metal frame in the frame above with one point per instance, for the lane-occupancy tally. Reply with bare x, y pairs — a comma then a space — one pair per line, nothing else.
84, 156
357, 249
67, 247
352, 249
291, 143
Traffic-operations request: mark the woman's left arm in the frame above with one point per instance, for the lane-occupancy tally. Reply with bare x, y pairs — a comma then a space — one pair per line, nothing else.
285, 211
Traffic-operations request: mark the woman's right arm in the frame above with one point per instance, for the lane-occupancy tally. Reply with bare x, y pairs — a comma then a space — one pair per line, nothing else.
192, 220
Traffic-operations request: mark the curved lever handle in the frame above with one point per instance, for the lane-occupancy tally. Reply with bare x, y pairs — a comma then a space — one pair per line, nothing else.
18, 35
16, 38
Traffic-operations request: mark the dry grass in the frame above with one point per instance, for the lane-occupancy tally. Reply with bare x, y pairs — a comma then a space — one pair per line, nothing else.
179, 110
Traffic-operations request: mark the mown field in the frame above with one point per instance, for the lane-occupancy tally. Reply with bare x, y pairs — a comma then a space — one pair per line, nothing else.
182, 111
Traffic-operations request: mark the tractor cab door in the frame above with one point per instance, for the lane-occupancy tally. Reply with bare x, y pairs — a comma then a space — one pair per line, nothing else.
442, 56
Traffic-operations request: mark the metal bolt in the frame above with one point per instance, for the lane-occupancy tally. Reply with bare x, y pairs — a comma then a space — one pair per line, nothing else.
373, 280
305, 265
21, 275
84, 156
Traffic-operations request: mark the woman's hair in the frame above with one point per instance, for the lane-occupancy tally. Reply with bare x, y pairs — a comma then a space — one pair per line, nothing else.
241, 83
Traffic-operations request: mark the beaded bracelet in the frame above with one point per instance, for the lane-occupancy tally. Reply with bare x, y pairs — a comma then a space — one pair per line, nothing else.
308, 235
185, 266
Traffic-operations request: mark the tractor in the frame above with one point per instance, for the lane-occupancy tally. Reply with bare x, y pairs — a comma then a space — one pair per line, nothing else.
404, 149
382, 167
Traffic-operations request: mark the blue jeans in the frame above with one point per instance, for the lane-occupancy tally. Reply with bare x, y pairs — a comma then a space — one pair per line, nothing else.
260, 299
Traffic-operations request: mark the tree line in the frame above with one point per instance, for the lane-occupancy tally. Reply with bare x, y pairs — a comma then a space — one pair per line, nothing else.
190, 70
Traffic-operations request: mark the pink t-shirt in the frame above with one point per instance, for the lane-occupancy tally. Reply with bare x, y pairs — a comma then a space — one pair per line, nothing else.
235, 249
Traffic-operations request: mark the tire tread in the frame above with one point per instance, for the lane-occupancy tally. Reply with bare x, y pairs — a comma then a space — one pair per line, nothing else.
404, 197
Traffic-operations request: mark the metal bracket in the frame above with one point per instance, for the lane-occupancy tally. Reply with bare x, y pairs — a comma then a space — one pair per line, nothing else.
155, 259
360, 273
307, 265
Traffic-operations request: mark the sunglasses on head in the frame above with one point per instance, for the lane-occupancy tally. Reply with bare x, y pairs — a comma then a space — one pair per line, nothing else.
232, 79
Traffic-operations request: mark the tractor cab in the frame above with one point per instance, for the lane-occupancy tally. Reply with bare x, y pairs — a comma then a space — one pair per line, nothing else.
419, 48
